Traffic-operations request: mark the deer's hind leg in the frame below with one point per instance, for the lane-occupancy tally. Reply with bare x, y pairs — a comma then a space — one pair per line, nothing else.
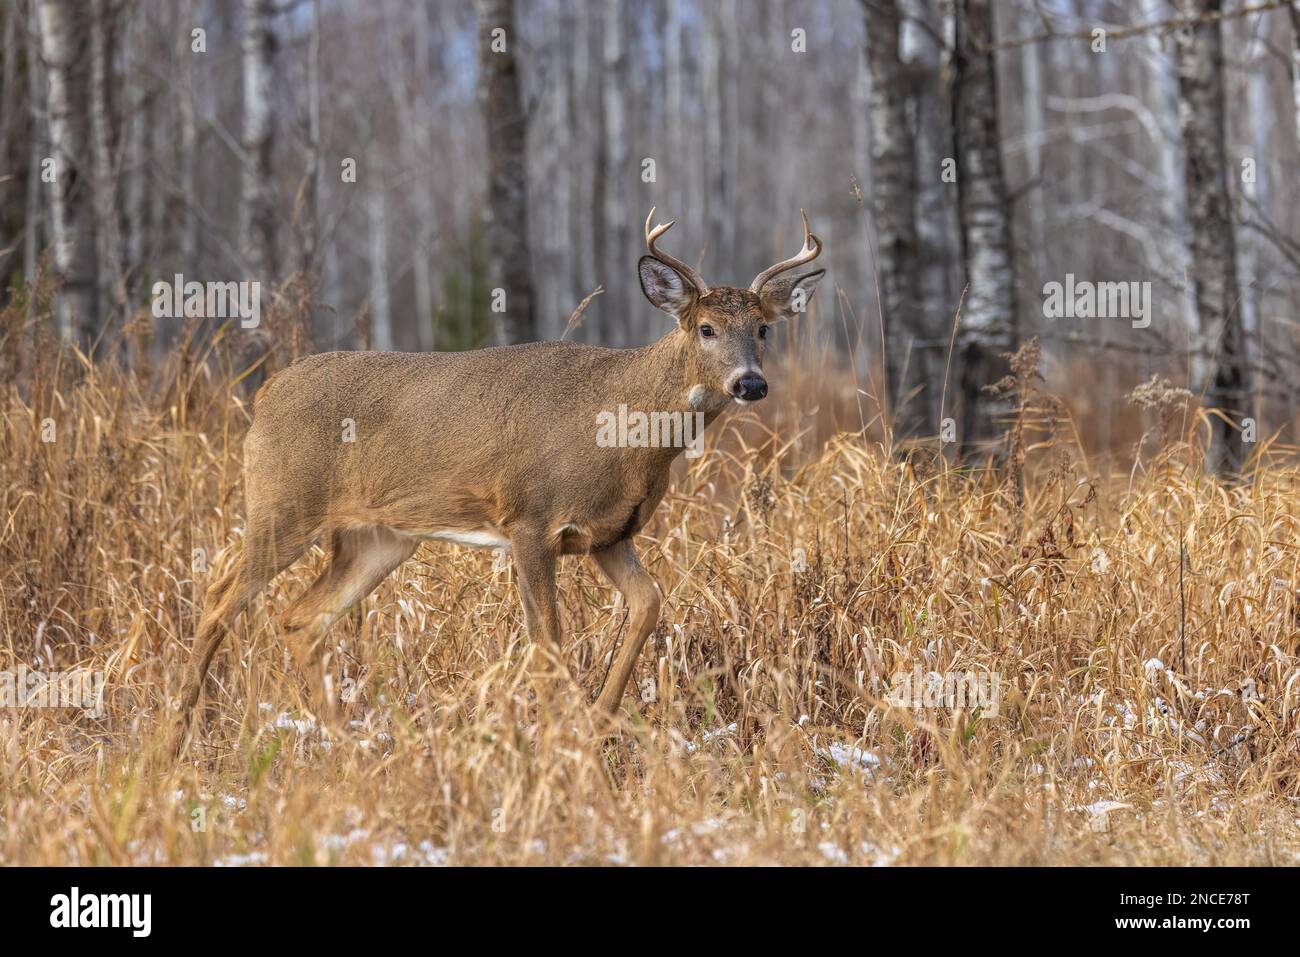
268, 549
360, 559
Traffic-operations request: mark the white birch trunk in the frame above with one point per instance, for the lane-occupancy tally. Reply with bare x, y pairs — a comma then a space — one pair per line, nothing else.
381, 316
988, 324
257, 213
1214, 253
64, 54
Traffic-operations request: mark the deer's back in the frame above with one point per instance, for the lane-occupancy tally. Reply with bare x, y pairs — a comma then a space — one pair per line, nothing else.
447, 440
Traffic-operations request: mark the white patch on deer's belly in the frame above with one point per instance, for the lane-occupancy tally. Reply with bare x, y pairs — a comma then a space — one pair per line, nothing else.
481, 538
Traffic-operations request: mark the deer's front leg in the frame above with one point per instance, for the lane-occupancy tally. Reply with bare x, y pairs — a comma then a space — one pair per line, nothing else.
622, 567
535, 565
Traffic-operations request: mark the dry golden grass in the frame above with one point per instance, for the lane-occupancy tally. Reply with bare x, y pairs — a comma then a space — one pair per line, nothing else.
764, 738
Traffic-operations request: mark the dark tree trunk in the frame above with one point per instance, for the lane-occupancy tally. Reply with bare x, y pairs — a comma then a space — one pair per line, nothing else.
988, 323
936, 201
1214, 253
510, 265
11, 16
112, 289
893, 187
1295, 65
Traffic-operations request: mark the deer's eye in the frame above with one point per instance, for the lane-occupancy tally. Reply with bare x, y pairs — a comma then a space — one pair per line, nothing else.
707, 332
762, 331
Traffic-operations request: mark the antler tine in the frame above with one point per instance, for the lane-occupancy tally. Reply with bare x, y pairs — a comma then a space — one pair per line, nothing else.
652, 235
812, 248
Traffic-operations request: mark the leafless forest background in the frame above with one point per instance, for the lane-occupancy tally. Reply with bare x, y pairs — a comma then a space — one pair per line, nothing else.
1170, 157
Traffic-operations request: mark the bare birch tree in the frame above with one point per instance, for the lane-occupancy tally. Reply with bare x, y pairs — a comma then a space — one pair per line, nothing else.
930, 111
308, 213
675, 107
11, 21
618, 172
381, 314
112, 288
1209, 203
64, 56
257, 210
426, 215
1295, 65
186, 103
36, 96
988, 323
893, 188
138, 134
510, 265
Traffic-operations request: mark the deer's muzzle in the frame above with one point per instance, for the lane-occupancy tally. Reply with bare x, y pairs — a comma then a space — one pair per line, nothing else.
750, 387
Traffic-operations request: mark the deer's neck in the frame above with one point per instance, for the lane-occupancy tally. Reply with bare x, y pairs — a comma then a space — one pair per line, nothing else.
665, 381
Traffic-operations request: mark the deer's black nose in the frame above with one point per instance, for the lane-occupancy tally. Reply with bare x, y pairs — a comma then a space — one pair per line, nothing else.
750, 387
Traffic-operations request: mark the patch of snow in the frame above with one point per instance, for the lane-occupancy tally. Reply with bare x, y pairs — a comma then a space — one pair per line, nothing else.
878, 856
833, 852
1099, 813
425, 854
283, 721
850, 757
252, 858
692, 747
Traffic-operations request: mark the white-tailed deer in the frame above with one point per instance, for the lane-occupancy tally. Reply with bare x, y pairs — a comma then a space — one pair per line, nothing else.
494, 448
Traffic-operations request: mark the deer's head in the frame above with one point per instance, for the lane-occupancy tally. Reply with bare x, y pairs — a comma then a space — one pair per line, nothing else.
726, 328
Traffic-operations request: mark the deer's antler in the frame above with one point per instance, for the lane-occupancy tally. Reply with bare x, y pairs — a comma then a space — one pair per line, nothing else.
812, 248
651, 235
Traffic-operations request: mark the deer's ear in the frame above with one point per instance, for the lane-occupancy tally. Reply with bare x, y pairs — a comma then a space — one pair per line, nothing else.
787, 296
666, 288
